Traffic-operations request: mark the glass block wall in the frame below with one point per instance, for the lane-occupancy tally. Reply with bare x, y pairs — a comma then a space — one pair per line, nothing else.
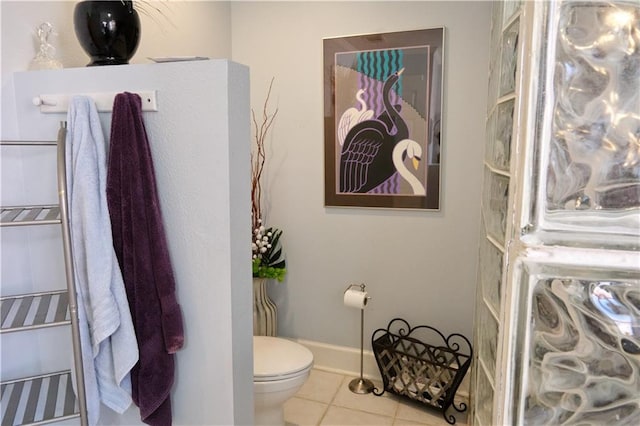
502, 96
574, 285
558, 304
558, 311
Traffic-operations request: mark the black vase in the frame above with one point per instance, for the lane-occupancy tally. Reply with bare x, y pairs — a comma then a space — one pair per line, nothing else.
108, 31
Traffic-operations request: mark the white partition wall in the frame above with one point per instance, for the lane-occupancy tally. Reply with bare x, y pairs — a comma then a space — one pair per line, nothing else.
199, 140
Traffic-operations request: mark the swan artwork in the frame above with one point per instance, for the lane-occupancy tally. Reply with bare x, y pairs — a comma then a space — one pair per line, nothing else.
353, 116
413, 150
366, 156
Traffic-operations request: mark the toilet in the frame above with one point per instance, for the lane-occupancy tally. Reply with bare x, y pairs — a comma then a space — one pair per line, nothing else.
280, 368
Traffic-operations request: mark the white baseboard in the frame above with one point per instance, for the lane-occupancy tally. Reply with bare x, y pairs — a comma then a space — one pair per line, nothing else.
342, 359
346, 360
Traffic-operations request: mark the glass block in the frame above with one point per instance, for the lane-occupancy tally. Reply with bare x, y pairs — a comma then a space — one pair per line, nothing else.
593, 170
491, 273
484, 398
494, 55
583, 348
509, 61
496, 22
496, 30
490, 136
494, 204
501, 152
487, 339
493, 86
510, 8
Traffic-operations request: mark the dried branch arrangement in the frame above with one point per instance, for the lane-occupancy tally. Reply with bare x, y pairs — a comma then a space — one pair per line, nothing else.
258, 158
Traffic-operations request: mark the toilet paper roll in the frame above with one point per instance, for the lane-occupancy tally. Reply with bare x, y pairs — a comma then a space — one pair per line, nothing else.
355, 298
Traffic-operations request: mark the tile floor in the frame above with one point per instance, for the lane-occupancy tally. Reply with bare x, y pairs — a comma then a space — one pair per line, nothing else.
325, 399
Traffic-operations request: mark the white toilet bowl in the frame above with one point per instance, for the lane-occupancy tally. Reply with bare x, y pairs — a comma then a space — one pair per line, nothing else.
280, 368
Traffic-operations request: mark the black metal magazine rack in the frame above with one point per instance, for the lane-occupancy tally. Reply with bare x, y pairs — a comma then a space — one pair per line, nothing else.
421, 364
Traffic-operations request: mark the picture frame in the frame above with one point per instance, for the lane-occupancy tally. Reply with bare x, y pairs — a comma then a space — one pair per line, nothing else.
382, 119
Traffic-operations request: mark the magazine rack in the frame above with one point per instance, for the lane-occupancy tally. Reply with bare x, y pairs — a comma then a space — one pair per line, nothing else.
421, 364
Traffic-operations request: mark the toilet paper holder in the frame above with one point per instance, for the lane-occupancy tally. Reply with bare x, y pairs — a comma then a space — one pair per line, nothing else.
350, 286
361, 385
362, 289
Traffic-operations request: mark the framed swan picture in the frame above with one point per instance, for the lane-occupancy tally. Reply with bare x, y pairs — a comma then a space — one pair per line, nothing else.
382, 111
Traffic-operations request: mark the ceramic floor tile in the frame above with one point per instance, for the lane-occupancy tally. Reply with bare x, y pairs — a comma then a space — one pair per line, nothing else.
340, 416
303, 412
400, 422
414, 412
325, 399
321, 386
382, 405
461, 418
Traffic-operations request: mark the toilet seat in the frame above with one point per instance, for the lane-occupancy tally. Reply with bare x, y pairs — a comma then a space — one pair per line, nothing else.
278, 359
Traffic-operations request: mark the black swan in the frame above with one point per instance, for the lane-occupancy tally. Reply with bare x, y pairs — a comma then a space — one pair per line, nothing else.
366, 157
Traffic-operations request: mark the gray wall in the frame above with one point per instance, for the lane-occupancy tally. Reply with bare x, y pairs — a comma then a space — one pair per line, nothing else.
418, 265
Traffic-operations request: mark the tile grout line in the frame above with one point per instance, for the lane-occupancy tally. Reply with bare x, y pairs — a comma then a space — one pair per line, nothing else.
332, 400
344, 381
395, 414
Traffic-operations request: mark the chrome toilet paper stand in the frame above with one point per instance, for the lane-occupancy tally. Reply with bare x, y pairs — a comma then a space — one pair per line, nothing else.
361, 385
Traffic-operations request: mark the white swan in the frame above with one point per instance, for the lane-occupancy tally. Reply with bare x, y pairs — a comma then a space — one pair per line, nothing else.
353, 116
414, 152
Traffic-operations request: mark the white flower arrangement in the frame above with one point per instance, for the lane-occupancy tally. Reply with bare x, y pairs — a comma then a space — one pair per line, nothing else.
267, 260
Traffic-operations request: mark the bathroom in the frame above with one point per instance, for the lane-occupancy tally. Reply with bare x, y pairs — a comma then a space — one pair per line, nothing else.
419, 265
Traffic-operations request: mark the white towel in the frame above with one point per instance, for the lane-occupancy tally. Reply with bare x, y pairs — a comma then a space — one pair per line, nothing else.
109, 346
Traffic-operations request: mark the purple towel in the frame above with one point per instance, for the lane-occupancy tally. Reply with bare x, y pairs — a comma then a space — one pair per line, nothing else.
141, 248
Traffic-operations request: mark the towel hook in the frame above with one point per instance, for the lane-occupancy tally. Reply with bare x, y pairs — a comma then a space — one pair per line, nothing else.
37, 101
56, 103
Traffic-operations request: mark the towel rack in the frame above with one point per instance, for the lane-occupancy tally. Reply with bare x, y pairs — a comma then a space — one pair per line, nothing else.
49, 397
104, 101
